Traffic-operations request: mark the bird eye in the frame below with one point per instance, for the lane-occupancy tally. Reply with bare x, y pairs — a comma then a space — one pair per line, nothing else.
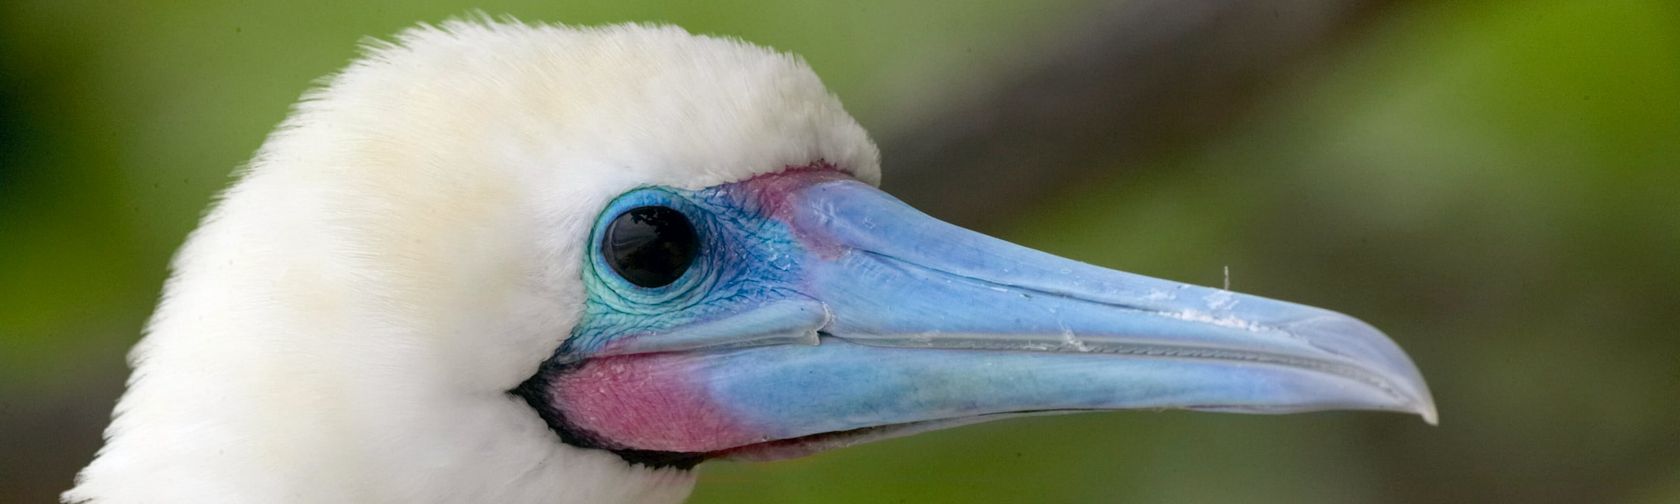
650, 246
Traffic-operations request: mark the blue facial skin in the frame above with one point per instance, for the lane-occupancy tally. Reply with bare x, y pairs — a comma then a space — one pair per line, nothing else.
820, 304
746, 263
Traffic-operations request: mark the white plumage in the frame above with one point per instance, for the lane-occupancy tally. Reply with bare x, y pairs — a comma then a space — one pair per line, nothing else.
346, 323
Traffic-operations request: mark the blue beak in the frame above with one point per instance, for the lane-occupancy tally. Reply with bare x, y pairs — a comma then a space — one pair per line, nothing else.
880, 321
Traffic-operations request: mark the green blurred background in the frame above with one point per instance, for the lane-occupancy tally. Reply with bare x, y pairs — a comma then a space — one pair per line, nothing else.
1493, 183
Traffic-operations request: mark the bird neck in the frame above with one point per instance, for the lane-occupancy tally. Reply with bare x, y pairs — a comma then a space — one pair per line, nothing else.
239, 395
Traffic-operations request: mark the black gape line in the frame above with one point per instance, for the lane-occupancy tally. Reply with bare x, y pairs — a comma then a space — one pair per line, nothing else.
535, 392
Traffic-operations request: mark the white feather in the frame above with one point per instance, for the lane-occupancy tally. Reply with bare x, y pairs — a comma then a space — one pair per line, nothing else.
347, 321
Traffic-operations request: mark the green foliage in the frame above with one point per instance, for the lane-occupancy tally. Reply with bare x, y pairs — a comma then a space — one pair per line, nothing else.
1493, 183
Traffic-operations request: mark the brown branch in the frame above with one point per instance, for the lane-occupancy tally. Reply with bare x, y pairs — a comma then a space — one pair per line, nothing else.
1140, 77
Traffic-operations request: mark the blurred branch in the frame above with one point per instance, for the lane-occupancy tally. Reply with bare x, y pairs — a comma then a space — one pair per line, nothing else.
1136, 79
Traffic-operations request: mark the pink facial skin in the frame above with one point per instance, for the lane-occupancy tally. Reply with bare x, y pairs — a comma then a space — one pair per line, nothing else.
659, 401
775, 194
773, 191
648, 402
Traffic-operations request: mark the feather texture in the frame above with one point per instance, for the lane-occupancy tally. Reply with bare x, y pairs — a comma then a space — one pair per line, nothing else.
346, 322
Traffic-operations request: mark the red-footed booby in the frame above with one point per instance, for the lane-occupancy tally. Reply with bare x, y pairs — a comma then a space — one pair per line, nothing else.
495, 262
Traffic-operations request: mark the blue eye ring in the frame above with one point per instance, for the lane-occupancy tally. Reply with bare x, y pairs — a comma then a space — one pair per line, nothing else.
627, 295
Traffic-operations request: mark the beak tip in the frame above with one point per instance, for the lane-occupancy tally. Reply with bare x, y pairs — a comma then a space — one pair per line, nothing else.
1416, 399
1346, 337
1424, 406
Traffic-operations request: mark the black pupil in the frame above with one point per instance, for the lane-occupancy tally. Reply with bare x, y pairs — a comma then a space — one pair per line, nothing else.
650, 246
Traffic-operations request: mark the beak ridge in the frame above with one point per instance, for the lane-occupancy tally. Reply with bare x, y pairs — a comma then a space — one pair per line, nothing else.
912, 281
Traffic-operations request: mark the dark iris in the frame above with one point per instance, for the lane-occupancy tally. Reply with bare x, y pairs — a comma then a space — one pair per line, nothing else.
650, 246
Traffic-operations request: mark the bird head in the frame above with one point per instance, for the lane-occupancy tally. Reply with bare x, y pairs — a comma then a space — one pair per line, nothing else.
500, 262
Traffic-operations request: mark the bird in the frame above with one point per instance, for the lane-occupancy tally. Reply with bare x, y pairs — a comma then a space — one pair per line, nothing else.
498, 261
